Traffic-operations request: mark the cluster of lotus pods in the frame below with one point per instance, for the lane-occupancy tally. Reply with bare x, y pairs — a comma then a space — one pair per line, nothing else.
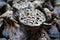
19, 16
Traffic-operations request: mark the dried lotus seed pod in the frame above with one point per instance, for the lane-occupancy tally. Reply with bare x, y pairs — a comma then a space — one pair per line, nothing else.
17, 6
23, 5
31, 17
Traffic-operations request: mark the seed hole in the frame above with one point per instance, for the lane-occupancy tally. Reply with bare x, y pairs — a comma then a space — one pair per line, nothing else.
33, 17
40, 20
22, 18
27, 13
37, 18
37, 14
36, 22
